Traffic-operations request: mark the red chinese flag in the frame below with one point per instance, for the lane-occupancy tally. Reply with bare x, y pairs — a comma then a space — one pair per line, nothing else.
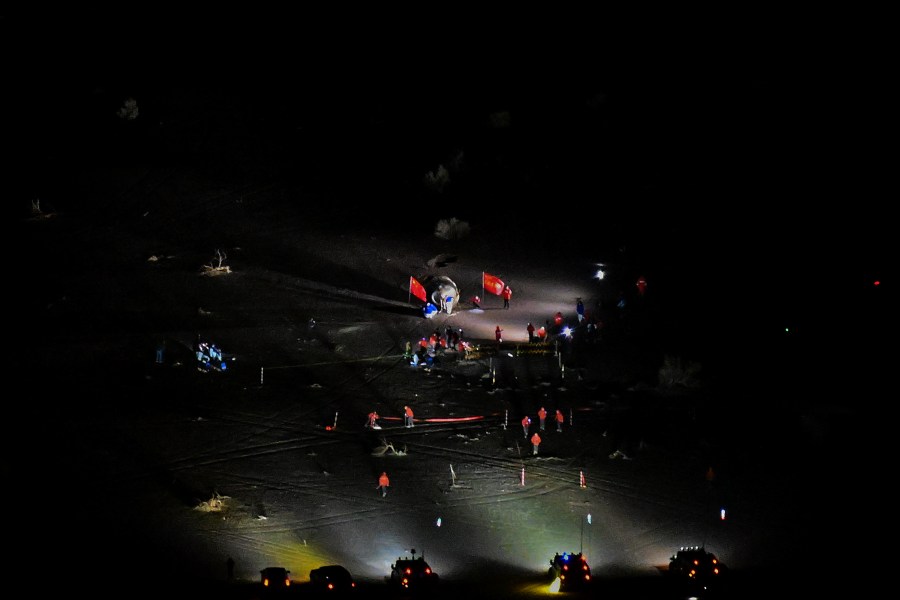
417, 289
492, 284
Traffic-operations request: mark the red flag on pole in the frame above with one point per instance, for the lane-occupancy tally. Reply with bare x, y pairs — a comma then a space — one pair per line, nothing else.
492, 284
417, 289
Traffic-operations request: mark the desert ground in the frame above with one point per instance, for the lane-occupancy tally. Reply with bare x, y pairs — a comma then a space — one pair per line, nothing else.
153, 474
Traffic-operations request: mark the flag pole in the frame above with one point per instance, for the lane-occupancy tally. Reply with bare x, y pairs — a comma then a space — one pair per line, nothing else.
482, 286
409, 291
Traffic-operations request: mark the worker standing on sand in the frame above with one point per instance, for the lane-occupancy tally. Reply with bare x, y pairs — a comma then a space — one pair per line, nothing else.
507, 294
383, 484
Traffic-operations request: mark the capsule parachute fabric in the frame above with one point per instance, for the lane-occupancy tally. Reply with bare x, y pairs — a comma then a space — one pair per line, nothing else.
492, 284
417, 289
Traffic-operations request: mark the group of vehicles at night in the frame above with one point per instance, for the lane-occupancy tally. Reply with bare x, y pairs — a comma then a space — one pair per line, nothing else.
327, 580
692, 568
409, 574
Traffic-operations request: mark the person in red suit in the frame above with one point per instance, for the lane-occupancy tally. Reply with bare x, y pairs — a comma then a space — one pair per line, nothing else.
383, 484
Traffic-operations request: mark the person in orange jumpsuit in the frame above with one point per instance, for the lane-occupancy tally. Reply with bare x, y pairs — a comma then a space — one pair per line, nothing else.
373, 417
535, 442
498, 333
407, 416
383, 484
559, 420
542, 415
526, 421
507, 294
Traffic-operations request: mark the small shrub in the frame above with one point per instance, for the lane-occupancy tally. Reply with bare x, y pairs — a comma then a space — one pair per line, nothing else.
217, 266
129, 111
452, 229
500, 119
437, 180
677, 372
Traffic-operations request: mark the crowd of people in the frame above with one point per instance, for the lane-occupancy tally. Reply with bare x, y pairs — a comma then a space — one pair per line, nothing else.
209, 356
588, 324
427, 349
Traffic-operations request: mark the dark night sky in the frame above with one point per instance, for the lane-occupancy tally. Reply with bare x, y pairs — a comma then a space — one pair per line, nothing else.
762, 137
744, 109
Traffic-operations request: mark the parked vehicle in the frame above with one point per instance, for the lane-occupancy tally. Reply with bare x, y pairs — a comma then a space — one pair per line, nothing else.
696, 563
332, 579
414, 574
698, 570
572, 570
275, 578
